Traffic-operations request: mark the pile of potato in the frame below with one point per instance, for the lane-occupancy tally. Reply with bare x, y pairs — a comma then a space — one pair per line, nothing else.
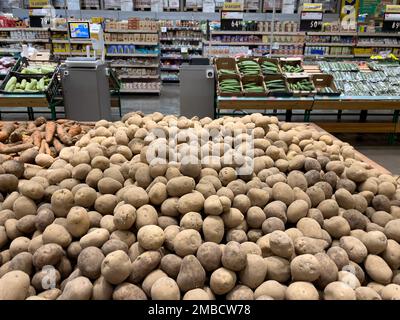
101, 222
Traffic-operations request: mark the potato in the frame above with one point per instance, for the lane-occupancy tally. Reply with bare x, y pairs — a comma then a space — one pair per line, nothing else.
8, 183
151, 278
105, 204
151, 237
171, 264
392, 254
102, 290
355, 219
305, 245
89, 262
95, 238
277, 268
146, 215
344, 199
196, 294
26, 224
165, 288
349, 278
116, 267
124, 217
233, 257
14, 286
365, 293
170, 207
61, 202
254, 272
355, 249
232, 218
301, 290
305, 268
222, 281
339, 291
390, 292
328, 208
337, 227
297, 209
79, 288
193, 201
191, 274
392, 230
271, 288
378, 269
281, 244
179, 186
78, 221
339, 256
48, 254
213, 229
56, 233
136, 196
32, 190
283, 192
375, 241
128, 291
258, 197
24, 206
328, 270
143, 265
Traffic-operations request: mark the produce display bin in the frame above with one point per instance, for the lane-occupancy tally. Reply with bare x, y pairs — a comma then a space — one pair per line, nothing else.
322, 81
270, 77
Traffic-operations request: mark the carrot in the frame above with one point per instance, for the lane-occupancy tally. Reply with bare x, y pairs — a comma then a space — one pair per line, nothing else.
63, 136
31, 126
50, 130
39, 121
57, 145
14, 148
37, 138
74, 130
46, 147
5, 132
42, 148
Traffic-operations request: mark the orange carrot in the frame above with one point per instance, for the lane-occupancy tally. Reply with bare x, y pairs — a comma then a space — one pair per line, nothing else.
63, 136
50, 130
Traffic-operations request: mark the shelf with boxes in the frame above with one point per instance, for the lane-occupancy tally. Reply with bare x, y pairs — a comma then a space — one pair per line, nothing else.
180, 41
11, 39
133, 50
62, 46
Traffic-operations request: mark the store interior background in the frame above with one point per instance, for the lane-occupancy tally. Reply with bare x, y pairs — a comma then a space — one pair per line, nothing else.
374, 146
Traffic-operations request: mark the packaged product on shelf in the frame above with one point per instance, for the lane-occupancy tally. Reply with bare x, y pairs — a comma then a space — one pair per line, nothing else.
269, 5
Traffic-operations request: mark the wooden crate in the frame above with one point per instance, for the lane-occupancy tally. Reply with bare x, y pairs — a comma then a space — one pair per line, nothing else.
259, 81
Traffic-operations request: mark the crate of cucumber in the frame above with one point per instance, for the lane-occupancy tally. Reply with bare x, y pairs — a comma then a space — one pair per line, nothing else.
253, 86
229, 86
30, 84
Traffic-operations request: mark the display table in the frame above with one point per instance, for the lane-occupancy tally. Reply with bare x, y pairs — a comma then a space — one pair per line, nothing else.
318, 104
30, 102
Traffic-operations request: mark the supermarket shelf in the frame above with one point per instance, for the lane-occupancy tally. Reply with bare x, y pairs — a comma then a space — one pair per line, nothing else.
175, 58
257, 33
138, 77
184, 28
26, 40
70, 53
181, 39
24, 29
170, 79
344, 56
72, 41
330, 44
10, 50
59, 29
132, 54
139, 91
133, 42
220, 43
377, 45
363, 55
173, 48
378, 34
130, 31
113, 65
327, 33
170, 68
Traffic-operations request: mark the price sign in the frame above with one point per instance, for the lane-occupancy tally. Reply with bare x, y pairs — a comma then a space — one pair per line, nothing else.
391, 22
163, 29
184, 50
311, 21
231, 21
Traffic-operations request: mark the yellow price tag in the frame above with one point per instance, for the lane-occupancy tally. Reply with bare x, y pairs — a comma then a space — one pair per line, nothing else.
314, 7
392, 8
233, 6
38, 3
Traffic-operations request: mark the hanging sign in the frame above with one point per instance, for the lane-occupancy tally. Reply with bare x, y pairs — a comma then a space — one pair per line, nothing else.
232, 6
231, 20
38, 3
311, 17
391, 19
349, 14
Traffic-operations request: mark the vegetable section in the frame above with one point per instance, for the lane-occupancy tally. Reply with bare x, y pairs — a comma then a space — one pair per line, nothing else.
27, 85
